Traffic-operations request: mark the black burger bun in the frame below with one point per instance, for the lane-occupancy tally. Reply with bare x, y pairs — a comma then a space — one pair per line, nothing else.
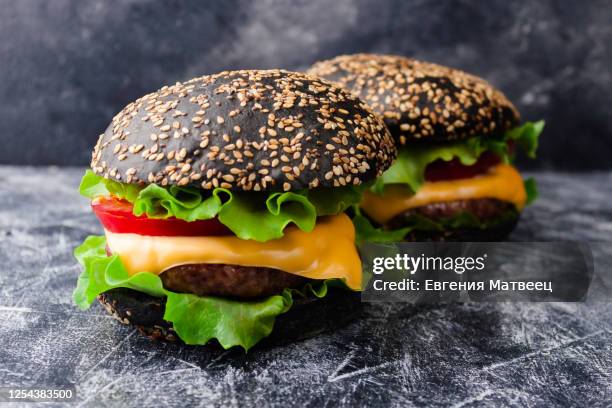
306, 318
420, 100
248, 130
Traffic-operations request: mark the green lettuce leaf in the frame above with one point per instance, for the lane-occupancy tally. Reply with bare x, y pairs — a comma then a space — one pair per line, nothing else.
249, 215
409, 168
366, 232
93, 186
281, 209
531, 188
184, 203
196, 319
336, 200
527, 136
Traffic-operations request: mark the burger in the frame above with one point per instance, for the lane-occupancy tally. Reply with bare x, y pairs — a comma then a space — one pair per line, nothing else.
456, 135
223, 206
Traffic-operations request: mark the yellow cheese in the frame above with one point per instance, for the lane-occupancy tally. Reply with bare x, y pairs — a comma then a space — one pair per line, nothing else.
502, 182
328, 251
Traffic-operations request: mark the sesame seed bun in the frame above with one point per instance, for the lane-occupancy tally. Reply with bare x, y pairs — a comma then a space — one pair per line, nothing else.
420, 100
246, 130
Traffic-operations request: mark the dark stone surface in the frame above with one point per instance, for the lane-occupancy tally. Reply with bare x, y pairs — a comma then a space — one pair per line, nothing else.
69, 65
511, 354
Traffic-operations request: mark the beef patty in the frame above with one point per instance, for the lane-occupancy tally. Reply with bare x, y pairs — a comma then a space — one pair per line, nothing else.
484, 209
500, 217
229, 280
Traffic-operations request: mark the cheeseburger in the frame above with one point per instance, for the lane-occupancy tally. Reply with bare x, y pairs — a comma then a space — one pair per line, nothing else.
456, 137
222, 201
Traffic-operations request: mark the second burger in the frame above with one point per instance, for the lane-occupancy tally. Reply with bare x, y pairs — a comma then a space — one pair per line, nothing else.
456, 137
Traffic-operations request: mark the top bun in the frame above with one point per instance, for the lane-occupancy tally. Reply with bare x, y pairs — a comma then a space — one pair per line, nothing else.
246, 130
420, 100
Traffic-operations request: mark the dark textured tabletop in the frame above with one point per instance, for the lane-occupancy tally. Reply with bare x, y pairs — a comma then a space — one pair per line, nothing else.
506, 354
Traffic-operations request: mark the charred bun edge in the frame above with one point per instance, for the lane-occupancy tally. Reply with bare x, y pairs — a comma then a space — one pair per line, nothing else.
249, 130
421, 101
306, 318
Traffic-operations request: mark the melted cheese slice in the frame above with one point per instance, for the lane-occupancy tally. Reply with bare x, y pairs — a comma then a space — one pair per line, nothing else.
502, 182
328, 251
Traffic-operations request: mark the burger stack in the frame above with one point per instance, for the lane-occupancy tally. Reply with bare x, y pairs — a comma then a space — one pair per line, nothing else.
232, 204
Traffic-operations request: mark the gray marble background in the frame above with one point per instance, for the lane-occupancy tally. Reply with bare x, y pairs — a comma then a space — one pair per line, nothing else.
66, 66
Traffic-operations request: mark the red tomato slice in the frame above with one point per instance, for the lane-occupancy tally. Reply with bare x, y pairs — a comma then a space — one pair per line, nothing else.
116, 216
454, 169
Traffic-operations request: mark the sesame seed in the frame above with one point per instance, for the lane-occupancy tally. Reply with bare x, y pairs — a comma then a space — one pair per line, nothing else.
423, 99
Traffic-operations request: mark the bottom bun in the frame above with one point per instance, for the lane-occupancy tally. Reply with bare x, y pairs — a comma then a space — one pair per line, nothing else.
306, 318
